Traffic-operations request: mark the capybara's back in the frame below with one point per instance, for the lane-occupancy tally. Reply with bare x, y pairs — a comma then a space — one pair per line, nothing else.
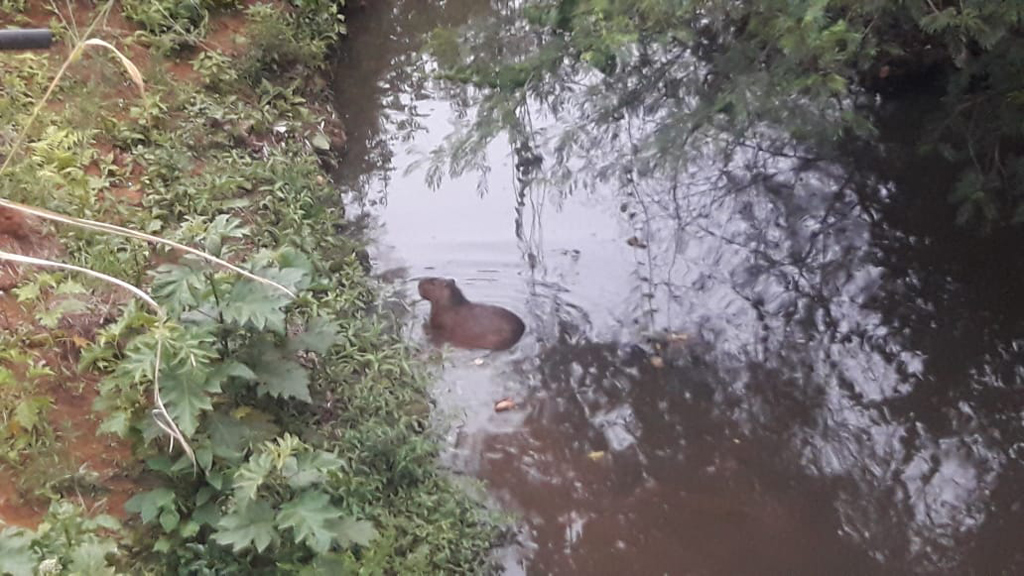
456, 320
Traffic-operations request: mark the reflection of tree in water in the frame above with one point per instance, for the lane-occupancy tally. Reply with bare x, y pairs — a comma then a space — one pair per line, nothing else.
385, 78
866, 357
686, 479
880, 364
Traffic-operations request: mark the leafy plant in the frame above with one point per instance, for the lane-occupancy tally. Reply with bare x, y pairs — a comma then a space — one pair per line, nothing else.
67, 540
702, 72
302, 414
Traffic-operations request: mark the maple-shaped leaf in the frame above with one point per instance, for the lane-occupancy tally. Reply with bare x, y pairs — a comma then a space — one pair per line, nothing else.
277, 373
321, 333
232, 435
90, 557
310, 516
149, 504
29, 411
312, 468
255, 305
294, 279
223, 227
187, 395
348, 531
231, 369
251, 525
290, 257
251, 476
176, 286
16, 555
117, 423
208, 514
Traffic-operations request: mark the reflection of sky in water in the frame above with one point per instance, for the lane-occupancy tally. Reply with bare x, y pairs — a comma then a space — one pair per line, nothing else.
802, 337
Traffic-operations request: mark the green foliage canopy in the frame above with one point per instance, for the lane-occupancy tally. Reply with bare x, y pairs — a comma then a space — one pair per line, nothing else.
693, 70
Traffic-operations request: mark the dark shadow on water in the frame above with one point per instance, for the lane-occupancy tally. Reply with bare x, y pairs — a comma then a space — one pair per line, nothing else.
848, 399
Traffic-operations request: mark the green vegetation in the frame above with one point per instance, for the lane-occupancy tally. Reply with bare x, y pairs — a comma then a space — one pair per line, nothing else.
308, 420
695, 70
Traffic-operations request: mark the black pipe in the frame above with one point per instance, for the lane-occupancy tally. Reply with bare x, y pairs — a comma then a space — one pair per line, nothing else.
26, 39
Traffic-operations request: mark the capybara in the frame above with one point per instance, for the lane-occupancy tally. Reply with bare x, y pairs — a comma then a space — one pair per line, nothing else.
462, 323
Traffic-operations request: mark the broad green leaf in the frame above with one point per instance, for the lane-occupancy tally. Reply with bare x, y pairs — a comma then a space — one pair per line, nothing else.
255, 305
107, 522
169, 519
29, 411
187, 395
309, 515
231, 369
175, 286
69, 287
90, 557
204, 456
284, 379
189, 529
221, 228
278, 375
208, 514
311, 468
251, 476
294, 279
16, 555
289, 257
27, 292
162, 544
938, 21
231, 436
320, 335
251, 525
149, 504
350, 531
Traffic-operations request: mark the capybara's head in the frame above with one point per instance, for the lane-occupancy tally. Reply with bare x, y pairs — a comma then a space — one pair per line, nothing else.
440, 290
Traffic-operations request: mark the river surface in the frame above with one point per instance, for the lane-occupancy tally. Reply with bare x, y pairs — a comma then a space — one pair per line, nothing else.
762, 366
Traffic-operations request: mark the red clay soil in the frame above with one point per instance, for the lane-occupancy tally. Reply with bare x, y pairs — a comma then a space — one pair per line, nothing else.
71, 415
78, 445
81, 449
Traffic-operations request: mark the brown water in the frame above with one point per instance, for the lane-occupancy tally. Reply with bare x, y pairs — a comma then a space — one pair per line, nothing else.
798, 368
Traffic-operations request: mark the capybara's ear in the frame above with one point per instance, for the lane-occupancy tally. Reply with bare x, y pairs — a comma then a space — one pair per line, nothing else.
450, 282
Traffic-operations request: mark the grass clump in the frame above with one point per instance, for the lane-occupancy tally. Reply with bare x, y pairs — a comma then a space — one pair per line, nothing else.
312, 449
